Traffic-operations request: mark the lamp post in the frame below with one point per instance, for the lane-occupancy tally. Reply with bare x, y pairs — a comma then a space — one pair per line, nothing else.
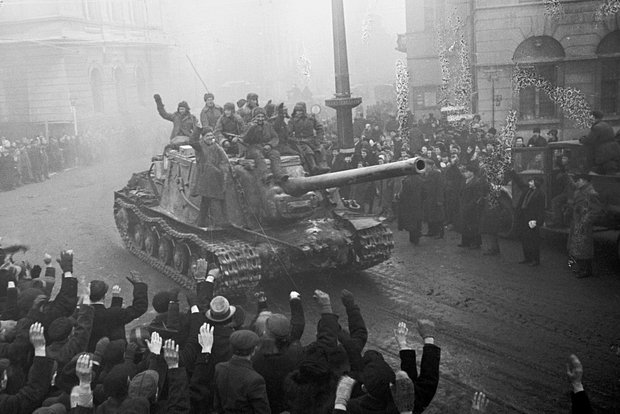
342, 102
492, 76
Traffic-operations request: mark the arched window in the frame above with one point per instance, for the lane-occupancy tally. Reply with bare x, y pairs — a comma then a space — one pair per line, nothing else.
121, 93
141, 85
96, 88
609, 52
543, 53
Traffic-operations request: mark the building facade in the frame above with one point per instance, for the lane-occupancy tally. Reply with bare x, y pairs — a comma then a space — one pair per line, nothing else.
73, 62
573, 50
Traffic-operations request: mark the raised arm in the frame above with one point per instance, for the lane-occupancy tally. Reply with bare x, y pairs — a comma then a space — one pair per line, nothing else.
160, 108
140, 299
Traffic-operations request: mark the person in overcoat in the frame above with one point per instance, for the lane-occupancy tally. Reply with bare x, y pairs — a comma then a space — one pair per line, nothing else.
410, 207
183, 122
529, 217
586, 206
433, 195
209, 180
471, 205
604, 150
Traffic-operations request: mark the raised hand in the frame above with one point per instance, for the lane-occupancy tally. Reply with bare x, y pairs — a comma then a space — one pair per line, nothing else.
574, 369
134, 277
171, 354
479, 402
37, 338
323, 300
426, 328
154, 344
347, 298
84, 369
294, 295
116, 290
205, 338
400, 334
157, 98
66, 261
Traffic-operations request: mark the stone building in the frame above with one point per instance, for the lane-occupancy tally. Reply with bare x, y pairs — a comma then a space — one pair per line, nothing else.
573, 50
77, 62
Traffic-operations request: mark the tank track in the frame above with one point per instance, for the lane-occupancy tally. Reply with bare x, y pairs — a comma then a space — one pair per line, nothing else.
239, 263
375, 246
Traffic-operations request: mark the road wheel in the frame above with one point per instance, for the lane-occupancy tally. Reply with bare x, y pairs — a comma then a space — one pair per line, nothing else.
151, 242
506, 227
181, 258
165, 250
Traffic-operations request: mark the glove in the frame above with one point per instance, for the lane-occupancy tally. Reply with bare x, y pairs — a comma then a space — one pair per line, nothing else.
134, 277
157, 98
347, 298
294, 295
66, 261
100, 348
343, 392
323, 300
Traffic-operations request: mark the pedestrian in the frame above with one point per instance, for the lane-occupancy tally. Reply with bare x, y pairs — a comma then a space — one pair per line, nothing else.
433, 196
586, 207
471, 205
537, 140
410, 207
529, 217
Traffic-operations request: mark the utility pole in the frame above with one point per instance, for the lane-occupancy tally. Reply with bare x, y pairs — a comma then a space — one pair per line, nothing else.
342, 102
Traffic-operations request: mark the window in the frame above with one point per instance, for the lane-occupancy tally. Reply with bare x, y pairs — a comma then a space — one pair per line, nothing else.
533, 102
96, 87
121, 93
608, 51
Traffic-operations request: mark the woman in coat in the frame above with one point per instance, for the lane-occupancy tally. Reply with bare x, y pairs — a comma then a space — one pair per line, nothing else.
410, 207
586, 207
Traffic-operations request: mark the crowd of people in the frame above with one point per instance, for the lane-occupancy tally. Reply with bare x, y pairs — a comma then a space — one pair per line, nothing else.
24, 161
74, 353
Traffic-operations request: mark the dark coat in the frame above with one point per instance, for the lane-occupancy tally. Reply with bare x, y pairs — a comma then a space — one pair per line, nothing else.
433, 195
471, 205
111, 321
261, 135
76, 342
602, 143
226, 125
239, 389
534, 210
305, 128
410, 206
537, 141
586, 207
182, 124
209, 179
31, 395
210, 115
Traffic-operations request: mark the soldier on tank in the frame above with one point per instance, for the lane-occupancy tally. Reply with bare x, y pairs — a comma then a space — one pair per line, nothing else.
261, 141
305, 136
229, 126
182, 120
209, 181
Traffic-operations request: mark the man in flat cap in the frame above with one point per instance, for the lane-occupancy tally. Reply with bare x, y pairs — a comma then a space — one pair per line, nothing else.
238, 388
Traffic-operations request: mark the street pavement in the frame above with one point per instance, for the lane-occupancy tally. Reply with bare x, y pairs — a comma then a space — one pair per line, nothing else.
504, 328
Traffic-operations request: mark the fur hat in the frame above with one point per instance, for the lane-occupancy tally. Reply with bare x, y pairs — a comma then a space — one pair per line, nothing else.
144, 384
230, 106
184, 105
60, 329
160, 301
251, 95
258, 110
597, 114
209, 95
241, 102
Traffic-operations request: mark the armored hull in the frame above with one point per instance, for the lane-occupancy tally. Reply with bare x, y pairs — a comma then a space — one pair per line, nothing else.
268, 233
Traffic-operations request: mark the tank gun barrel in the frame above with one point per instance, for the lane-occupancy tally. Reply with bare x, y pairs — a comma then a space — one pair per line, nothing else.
297, 186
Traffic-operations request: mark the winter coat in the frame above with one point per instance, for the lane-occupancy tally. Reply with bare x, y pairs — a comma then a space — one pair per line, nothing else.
181, 124
261, 135
111, 321
239, 389
305, 128
534, 210
586, 208
433, 196
410, 206
471, 205
537, 141
225, 125
31, 395
210, 115
209, 179
602, 143
76, 342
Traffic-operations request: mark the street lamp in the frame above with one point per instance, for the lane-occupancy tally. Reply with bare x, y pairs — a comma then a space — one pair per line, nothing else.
492, 75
